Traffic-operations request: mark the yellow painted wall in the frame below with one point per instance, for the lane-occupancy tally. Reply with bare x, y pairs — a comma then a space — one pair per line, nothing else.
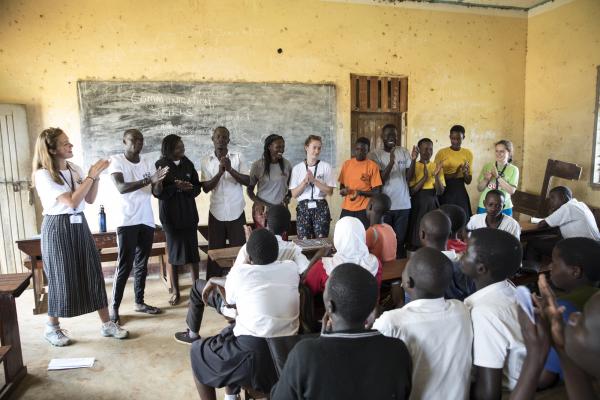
462, 67
563, 51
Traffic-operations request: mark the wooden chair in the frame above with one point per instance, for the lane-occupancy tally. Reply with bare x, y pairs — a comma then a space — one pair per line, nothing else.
535, 205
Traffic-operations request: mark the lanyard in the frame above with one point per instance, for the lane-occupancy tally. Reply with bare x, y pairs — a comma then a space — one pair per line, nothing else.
312, 185
72, 185
500, 174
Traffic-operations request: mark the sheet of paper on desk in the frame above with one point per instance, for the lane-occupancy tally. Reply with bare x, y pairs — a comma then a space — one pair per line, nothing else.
536, 220
70, 363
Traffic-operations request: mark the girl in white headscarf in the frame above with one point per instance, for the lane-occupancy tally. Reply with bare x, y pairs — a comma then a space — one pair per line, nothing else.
349, 239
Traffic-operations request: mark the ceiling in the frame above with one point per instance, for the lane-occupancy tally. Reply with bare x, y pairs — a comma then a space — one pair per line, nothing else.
520, 5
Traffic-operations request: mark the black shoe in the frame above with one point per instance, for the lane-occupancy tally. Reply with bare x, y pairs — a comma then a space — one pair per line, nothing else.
145, 308
114, 315
184, 337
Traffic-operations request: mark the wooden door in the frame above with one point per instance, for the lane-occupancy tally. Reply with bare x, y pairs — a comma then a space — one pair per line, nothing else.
375, 102
17, 212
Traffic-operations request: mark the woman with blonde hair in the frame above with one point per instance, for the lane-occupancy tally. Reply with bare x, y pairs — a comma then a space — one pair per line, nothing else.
71, 260
501, 175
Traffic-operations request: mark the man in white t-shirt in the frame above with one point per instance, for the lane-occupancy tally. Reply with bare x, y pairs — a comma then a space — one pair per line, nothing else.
133, 175
222, 174
394, 162
572, 218
436, 331
492, 257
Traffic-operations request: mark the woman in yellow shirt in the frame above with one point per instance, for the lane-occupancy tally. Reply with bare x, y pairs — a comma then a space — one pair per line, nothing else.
457, 163
426, 184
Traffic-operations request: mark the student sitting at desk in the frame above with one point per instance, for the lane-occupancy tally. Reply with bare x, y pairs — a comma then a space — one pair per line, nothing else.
381, 238
266, 297
458, 218
349, 240
436, 331
493, 217
203, 291
347, 361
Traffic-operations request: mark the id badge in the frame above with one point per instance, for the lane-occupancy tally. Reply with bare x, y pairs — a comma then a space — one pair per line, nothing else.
312, 204
75, 219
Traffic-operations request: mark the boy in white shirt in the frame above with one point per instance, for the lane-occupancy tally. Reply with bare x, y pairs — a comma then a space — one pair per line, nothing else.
572, 218
203, 292
492, 257
493, 217
436, 331
266, 297
134, 175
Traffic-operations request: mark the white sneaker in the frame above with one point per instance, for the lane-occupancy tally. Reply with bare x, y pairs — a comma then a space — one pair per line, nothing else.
113, 329
56, 336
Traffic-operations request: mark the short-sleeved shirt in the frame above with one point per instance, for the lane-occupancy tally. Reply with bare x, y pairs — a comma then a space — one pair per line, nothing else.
135, 208
511, 175
266, 298
381, 241
419, 173
227, 198
324, 174
454, 160
49, 191
508, 224
359, 175
272, 187
396, 187
497, 339
574, 219
439, 337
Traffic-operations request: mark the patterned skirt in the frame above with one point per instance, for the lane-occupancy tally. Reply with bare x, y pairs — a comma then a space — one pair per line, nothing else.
72, 266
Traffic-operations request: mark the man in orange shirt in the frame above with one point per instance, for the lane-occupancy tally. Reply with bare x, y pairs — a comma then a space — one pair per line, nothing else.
359, 180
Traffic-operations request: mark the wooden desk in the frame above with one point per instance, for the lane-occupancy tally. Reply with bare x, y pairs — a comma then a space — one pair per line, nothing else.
527, 226
11, 286
225, 257
392, 270
106, 242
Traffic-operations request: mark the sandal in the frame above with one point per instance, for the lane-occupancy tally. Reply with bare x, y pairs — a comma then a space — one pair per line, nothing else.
145, 308
174, 300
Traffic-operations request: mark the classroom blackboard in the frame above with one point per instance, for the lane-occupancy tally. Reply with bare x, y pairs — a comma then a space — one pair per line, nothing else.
251, 112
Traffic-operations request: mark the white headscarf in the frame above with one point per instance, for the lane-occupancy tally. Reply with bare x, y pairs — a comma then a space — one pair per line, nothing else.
350, 241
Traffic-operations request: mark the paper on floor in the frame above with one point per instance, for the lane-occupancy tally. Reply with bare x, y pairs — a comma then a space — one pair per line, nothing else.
69, 363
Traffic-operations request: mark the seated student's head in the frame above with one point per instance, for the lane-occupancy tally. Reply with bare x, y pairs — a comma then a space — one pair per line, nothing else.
558, 196
435, 229
494, 202
361, 148
457, 216
278, 219
582, 337
427, 274
262, 247
492, 255
425, 146
350, 295
349, 236
379, 204
575, 263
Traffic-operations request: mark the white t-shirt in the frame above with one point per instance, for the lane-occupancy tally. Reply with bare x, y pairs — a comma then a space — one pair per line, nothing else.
227, 198
396, 186
497, 339
438, 335
324, 174
508, 224
266, 297
49, 191
135, 208
287, 251
574, 219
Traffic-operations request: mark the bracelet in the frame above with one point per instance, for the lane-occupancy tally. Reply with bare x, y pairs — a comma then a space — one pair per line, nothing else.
93, 179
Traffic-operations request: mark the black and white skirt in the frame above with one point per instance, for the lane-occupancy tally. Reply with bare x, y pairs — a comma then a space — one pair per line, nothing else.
234, 361
72, 266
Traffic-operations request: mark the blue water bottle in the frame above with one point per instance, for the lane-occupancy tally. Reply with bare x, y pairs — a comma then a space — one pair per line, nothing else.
102, 219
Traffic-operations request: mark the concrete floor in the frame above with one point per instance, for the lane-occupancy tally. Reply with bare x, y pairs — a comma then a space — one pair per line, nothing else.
147, 365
